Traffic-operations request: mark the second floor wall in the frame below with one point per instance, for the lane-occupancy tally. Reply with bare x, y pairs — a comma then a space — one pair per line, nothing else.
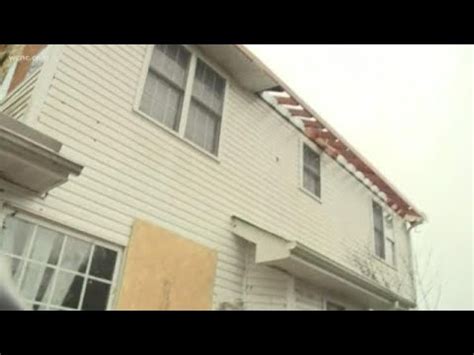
137, 168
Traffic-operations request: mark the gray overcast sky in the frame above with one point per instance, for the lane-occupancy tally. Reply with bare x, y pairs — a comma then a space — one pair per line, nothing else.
409, 111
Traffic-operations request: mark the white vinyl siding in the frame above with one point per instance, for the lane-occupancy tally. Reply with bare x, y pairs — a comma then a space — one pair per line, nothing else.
308, 297
134, 170
265, 288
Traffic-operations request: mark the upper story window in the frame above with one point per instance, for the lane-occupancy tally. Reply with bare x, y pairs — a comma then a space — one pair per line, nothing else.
184, 94
58, 271
379, 241
384, 240
165, 84
311, 171
389, 241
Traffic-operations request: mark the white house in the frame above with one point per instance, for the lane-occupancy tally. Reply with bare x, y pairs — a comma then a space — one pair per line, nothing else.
187, 177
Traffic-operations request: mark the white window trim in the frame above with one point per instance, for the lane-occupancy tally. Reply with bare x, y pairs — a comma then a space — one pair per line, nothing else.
180, 133
392, 239
315, 149
40, 221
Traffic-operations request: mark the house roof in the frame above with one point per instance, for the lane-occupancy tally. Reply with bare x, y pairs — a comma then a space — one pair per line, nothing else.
254, 75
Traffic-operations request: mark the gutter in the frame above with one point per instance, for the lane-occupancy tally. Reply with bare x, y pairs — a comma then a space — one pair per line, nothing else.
314, 258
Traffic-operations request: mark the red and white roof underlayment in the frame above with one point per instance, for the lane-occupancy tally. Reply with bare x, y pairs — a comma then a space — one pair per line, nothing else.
333, 144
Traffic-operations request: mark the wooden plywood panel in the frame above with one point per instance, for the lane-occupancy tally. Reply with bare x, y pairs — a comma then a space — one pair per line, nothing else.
164, 271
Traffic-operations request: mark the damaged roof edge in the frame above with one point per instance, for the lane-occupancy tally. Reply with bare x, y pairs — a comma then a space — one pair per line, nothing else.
252, 57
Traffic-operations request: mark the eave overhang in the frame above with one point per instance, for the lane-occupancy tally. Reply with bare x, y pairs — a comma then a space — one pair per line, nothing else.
30, 162
305, 263
241, 66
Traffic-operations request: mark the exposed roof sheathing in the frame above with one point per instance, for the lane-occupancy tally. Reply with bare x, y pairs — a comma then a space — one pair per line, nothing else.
332, 143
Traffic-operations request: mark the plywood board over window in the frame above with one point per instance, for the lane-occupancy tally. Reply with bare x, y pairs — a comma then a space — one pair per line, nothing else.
164, 271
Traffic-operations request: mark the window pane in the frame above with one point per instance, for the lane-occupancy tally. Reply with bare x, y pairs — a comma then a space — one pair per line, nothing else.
162, 101
309, 181
68, 290
205, 110
379, 244
47, 246
209, 87
311, 171
171, 61
96, 296
76, 255
16, 235
36, 285
311, 159
202, 127
103, 262
378, 217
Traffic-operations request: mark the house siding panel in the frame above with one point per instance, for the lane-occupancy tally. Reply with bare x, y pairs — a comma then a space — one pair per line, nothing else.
135, 169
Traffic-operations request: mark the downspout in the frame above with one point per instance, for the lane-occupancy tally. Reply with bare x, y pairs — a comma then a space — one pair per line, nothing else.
412, 271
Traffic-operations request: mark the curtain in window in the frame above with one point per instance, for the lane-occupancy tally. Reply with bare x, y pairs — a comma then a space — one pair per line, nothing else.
205, 110
163, 93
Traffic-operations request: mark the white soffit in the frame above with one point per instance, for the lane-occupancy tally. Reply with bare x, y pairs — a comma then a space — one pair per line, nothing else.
29, 160
240, 66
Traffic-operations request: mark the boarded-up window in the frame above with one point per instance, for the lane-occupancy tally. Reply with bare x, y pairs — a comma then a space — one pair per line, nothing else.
164, 271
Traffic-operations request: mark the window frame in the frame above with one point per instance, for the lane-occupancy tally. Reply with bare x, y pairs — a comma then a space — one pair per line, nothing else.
391, 239
385, 237
38, 221
375, 203
196, 54
302, 167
